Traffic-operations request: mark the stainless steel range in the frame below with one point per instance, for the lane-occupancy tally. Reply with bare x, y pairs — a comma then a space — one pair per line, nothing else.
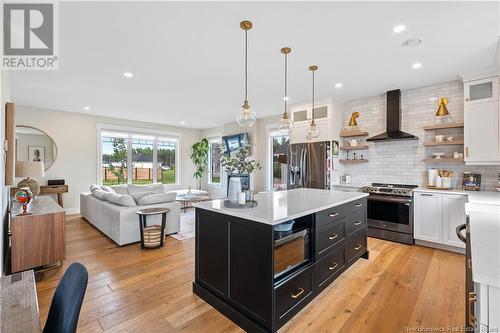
390, 211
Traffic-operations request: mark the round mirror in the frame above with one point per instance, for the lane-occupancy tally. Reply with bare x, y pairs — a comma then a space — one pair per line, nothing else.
33, 144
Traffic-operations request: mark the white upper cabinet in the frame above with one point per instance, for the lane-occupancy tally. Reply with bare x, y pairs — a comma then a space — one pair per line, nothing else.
301, 116
481, 91
482, 121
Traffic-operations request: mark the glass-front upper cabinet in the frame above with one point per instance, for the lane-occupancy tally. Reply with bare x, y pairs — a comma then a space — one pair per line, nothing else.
481, 91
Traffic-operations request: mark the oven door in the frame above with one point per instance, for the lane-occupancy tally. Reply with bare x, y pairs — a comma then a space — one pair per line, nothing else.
390, 212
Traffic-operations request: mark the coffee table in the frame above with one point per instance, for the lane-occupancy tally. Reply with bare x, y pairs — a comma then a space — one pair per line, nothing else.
185, 199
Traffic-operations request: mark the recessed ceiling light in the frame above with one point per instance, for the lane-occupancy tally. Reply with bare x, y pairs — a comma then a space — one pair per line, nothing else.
417, 65
86, 108
128, 74
412, 42
183, 123
399, 28
338, 85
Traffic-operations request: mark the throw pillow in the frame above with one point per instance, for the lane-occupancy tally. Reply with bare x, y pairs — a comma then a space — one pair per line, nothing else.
120, 199
120, 189
94, 187
138, 196
99, 194
157, 198
155, 188
107, 189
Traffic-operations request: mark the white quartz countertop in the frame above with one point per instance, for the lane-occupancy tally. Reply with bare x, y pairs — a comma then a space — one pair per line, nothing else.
280, 206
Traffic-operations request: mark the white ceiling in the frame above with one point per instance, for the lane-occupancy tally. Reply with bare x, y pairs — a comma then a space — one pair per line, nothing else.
187, 58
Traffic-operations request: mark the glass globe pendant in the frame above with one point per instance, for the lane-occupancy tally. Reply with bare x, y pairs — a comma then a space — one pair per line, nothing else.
312, 129
247, 117
285, 124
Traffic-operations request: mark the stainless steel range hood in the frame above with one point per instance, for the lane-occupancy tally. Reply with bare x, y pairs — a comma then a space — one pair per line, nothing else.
393, 122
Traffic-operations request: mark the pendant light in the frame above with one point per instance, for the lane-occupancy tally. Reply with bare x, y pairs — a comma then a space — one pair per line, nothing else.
285, 124
247, 117
312, 129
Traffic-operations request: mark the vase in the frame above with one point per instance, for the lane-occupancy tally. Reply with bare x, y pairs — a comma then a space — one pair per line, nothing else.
234, 190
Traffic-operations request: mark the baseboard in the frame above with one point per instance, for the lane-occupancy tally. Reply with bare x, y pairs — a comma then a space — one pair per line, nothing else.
440, 246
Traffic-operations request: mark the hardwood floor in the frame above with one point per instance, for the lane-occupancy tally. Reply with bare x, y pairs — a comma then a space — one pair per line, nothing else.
398, 289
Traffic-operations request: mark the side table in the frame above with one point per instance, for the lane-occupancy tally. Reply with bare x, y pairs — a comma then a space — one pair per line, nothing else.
152, 236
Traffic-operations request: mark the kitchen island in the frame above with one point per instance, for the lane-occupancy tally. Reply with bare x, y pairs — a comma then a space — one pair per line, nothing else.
259, 277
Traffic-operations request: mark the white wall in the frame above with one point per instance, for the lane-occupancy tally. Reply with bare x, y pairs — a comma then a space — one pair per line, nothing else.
75, 136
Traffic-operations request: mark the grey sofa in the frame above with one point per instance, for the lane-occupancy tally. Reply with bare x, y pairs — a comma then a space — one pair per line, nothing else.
121, 223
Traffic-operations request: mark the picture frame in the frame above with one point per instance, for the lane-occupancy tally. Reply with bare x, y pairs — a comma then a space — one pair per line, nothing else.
36, 153
335, 148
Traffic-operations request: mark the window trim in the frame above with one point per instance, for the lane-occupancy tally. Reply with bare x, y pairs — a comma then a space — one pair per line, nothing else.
130, 131
214, 139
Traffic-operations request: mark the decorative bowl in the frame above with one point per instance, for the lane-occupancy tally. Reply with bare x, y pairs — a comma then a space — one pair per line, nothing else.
437, 156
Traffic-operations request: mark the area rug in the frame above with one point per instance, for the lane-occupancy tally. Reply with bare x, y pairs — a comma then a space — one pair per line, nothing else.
187, 226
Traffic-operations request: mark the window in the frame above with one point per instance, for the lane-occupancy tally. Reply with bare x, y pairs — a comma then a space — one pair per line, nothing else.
278, 144
114, 160
166, 161
214, 169
142, 161
151, 158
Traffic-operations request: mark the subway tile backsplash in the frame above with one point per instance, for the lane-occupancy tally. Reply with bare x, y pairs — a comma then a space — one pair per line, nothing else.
402, 161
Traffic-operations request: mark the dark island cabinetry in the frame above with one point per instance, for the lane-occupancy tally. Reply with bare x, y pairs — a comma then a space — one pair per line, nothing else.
235, 263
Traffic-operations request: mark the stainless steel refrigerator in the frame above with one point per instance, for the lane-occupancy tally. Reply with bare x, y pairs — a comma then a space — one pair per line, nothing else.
308, 165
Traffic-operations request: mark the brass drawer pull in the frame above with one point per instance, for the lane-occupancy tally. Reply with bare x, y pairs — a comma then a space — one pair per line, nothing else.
357, 223
300, 292
333, 236
358, 247
333, 214
335, 265
358, 205
472, 318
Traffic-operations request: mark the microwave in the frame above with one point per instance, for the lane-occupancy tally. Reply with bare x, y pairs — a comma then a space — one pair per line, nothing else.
291, 249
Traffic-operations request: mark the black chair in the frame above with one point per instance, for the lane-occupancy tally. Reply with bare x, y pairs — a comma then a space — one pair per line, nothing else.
67, 301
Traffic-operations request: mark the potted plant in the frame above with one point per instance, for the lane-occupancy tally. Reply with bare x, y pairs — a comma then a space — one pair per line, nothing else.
199, 156
237, 165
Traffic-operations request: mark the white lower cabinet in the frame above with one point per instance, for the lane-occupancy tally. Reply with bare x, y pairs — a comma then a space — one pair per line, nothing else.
487, 308
436, 217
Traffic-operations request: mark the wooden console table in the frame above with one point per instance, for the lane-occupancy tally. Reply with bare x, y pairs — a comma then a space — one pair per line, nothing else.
19, 303
48, 189
39, 237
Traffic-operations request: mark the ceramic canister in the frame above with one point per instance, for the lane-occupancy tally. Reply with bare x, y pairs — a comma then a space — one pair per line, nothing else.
432, 177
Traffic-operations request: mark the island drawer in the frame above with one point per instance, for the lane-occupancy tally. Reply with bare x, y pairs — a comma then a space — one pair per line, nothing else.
329, 266
290, 294
335, 213
355, 222
327, 238
356, 246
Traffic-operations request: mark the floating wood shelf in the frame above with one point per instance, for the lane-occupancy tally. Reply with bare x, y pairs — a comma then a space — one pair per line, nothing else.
353, 133
445, 143
353, 161
443, 126
354, 147
444, 160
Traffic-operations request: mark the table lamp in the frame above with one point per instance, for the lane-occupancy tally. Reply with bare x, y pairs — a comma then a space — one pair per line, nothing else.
29, 170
